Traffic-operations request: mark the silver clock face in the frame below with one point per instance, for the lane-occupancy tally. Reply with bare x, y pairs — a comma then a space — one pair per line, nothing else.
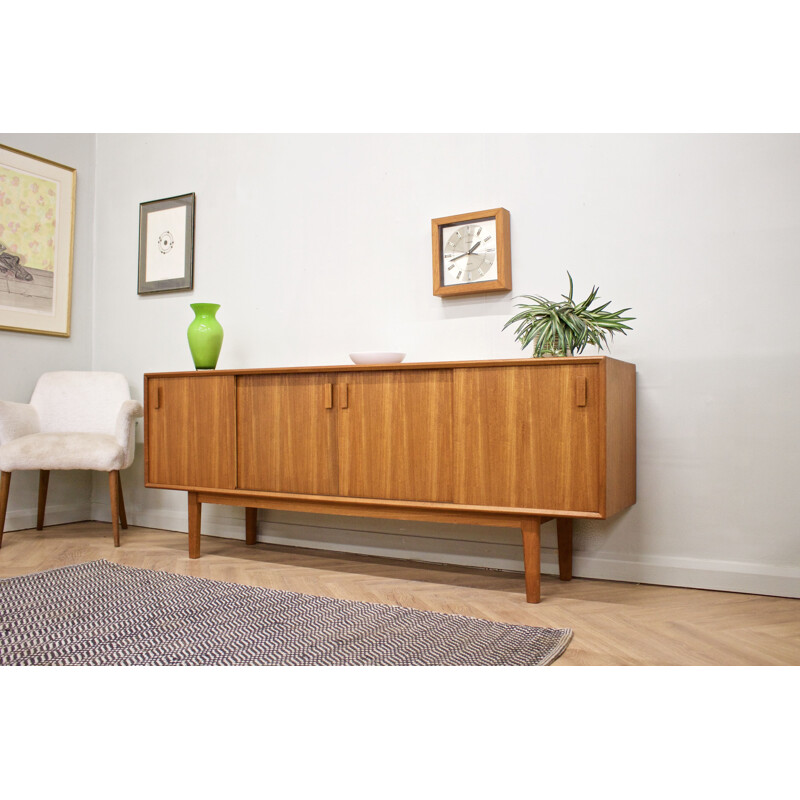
469, 253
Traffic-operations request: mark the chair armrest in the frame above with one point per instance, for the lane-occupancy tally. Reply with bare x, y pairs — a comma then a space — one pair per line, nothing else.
128, 413
17, 419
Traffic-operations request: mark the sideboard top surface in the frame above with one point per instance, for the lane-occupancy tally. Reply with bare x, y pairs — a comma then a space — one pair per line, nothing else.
509, 362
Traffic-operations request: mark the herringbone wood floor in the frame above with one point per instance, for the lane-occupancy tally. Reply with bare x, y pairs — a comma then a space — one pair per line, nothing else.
613, 623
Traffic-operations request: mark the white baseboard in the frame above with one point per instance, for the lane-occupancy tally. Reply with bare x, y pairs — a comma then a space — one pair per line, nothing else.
228, 522
690, 573
24, 518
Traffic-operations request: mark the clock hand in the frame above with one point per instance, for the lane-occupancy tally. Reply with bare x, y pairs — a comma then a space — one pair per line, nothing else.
468, 253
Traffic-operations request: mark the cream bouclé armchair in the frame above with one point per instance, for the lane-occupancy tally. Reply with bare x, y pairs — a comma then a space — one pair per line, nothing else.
75, 420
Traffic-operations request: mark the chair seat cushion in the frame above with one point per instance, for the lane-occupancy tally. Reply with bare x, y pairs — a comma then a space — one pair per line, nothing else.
98, 451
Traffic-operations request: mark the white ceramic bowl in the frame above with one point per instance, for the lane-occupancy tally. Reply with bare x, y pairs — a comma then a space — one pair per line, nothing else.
377, 358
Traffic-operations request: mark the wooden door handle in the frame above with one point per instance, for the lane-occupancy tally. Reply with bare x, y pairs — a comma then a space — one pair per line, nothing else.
328, 395
581, 390
343, 395
158, 397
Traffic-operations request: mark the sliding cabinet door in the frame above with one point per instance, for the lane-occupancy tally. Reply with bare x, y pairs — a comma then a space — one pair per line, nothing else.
395, 435
287, 433
529, 437
189, 427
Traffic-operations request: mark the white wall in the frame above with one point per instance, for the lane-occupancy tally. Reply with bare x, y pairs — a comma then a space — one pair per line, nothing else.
24, 356
318, 245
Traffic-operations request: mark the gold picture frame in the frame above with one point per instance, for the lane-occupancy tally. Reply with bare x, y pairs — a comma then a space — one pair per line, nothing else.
37, 230
487, 254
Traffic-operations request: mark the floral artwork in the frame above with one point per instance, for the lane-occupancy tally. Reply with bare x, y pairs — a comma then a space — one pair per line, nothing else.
28, 217
27, 239
36, 219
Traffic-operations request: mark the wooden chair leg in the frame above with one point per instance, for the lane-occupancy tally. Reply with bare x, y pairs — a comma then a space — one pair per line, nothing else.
5, 483
44, 480
564, 532
113, 490
123, 520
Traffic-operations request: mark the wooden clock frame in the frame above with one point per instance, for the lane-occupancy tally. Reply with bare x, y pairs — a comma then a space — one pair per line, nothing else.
503, 232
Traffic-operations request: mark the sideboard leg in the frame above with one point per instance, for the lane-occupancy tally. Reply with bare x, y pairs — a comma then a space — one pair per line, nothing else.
250, 525
564, 531
195, 512
531, 548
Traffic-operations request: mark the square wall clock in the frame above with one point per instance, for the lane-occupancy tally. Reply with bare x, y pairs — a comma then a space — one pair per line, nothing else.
472, 253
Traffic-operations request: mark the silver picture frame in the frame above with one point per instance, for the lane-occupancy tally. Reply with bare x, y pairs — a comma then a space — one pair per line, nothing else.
166, 244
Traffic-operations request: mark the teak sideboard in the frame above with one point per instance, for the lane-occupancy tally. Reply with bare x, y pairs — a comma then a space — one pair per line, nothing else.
507, 443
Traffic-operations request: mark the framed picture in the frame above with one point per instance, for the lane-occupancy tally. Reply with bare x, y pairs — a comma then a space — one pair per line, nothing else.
472, 253
37, 222
166, 244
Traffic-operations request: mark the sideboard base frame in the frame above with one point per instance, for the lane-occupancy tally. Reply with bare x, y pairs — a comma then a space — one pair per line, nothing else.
529, 524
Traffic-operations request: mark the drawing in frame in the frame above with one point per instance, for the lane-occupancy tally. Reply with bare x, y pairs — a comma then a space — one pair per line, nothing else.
166, 244
37, 227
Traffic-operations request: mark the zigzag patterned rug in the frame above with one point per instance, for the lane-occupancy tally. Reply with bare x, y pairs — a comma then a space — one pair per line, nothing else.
103, 614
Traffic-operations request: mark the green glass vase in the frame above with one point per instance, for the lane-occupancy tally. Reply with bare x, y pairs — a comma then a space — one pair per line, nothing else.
205, 335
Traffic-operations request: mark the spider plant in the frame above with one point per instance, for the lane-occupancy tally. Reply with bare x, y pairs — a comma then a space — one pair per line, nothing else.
564, 327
